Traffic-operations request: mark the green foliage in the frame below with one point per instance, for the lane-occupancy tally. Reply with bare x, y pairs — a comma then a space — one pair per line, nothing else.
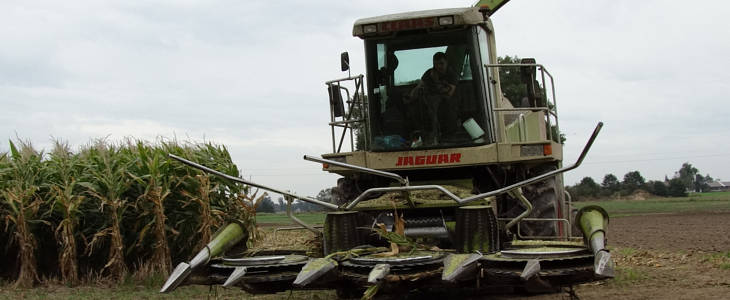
112, 207
266, 205
686, 175
705, 202
721, 259
587, 188
24, 179
676, 188
627, 275
633, 181
687, 178
626, 251
658, 188
510, 80
610, 185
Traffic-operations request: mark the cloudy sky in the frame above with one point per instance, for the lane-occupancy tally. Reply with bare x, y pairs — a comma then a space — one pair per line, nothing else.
250, 75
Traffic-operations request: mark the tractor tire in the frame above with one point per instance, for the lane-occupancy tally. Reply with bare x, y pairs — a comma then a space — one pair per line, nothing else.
546, 198
345, 190
543, 196
350, 187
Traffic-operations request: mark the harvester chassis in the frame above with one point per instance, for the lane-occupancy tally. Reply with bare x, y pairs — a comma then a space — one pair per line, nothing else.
540, 266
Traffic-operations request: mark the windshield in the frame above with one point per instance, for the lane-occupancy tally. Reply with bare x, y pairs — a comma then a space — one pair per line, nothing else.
422, 93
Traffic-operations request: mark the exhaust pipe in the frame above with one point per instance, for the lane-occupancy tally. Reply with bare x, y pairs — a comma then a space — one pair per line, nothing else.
593, 221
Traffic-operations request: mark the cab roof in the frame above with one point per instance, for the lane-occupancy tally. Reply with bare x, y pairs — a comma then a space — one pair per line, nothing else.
418, 20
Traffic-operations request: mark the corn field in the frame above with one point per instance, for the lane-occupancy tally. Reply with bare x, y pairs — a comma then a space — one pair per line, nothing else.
109, 209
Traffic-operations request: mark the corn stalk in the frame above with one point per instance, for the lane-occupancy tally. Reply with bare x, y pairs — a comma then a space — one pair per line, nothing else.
21, 195
65, 195
209, 217
108, 170
152, 172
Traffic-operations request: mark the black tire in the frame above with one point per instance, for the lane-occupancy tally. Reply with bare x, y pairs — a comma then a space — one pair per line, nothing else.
350, 187
345, 190
546, 198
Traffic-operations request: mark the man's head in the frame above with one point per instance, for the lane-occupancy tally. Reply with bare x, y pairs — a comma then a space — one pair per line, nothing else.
440, 64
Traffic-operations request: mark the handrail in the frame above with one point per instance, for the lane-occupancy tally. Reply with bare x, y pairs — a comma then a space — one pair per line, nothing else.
548, 112
356, 100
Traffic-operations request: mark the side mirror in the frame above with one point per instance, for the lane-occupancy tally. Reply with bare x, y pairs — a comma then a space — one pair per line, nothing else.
344, 61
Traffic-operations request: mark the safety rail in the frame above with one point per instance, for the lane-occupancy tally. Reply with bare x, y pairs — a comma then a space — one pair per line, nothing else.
351, 119
551, 113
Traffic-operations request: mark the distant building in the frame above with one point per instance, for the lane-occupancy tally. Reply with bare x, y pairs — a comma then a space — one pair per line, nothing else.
717, 186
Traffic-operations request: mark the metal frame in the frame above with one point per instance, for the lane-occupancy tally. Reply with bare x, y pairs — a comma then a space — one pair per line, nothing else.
403, 181
357, 99
244, 181
461, 201
545, 109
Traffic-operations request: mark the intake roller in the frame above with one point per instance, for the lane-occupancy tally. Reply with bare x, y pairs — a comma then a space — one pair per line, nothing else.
476, 229
341, 231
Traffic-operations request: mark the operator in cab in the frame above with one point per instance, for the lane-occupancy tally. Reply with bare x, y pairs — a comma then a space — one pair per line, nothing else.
436, 88
439, 81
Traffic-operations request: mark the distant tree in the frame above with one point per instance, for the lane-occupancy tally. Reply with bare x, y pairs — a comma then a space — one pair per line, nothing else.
282, 205
326, 195
266, 205
658, 188
676, 188
702, 183
687, 175
633, 181
511, 80
610, 184
586, 188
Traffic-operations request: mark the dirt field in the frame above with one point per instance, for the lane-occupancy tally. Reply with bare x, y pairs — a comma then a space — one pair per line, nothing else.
658, 256
664, 256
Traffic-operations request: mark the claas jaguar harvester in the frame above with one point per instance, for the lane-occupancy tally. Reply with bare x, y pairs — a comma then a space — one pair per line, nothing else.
452, 179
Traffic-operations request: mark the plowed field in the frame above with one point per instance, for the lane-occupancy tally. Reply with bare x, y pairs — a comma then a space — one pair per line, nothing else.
664, 256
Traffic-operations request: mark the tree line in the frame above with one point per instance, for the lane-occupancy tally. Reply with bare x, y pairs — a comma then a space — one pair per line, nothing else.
687, 178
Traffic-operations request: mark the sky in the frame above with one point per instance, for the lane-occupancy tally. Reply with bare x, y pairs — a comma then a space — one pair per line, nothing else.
250, 75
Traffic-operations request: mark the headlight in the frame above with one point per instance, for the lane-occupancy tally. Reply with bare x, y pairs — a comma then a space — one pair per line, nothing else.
372, 28
444, 21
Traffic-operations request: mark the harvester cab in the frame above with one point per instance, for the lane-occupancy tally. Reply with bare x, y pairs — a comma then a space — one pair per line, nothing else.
433, 109
452, 177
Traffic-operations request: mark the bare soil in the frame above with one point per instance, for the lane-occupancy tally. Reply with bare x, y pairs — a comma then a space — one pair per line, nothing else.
663, 256
658, 256
672, 232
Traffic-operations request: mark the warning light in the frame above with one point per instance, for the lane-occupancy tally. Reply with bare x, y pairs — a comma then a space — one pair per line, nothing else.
547, 149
